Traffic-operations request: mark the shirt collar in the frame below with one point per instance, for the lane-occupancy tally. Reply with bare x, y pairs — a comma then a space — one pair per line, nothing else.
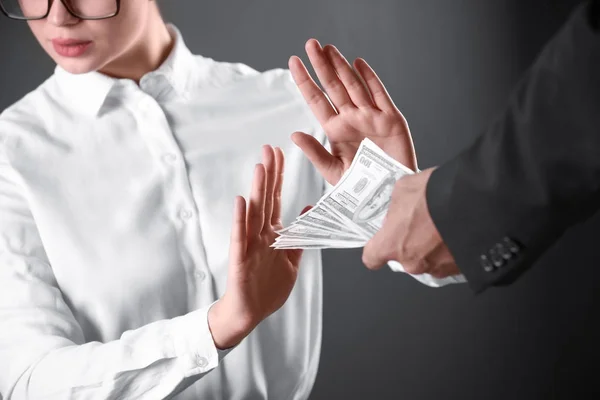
89, 91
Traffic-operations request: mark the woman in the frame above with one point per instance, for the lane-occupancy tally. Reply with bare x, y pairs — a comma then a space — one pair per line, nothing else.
117, 175
118, 278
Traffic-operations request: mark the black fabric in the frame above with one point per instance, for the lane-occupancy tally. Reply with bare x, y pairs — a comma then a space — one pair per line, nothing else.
595, 14
536, 171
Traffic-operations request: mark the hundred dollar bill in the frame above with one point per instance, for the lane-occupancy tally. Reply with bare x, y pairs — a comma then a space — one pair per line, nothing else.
329, 242
318, 217
308, 232
318, 246
321, 213
362, 196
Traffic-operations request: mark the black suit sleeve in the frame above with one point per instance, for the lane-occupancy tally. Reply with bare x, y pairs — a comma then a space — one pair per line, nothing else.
535, 172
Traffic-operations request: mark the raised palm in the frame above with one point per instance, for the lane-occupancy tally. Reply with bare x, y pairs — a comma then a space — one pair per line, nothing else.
260, 277
354, 111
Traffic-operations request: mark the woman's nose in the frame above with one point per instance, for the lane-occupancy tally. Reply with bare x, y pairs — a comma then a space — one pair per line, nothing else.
59, 15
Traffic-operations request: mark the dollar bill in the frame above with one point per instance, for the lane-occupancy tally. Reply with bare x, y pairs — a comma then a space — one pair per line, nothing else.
316, 218
362, 196
308, 232
318, 246
353, 211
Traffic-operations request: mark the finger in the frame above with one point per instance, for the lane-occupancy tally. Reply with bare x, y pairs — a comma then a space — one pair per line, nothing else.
305, 210
444, 271
279, 170
380, 95
417, 267
313, 95
270, 169
238, 242
438, 274
327, 76
355, 88
328, 166
376, 253
256, 208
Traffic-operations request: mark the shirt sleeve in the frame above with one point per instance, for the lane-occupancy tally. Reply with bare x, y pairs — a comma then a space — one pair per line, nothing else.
43, 351
427, 279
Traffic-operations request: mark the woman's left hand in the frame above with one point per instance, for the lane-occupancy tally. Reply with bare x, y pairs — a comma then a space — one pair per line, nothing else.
356, 111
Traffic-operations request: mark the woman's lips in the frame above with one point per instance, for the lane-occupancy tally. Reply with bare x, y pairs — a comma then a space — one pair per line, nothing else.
70, 47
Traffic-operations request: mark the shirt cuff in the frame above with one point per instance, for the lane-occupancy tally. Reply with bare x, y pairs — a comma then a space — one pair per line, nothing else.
427, 279
193, 343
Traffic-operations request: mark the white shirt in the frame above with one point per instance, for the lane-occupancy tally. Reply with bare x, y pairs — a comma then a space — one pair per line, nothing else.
115, 210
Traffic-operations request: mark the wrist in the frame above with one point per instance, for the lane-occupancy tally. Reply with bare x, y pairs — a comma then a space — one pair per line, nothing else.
227, 327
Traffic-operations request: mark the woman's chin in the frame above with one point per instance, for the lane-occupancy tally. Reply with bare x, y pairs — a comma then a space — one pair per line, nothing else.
76, 66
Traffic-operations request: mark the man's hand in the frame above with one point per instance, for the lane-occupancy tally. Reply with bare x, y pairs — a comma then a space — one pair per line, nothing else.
358, 111
260, 278
408, 234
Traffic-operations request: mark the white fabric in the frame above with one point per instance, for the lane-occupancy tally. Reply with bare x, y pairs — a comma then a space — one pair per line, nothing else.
115, 211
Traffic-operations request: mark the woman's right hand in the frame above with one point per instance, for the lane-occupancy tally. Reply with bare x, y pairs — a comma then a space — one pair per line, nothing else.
260, 278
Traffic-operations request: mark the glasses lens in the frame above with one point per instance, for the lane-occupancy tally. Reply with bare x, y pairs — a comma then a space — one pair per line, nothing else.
34, 9
92, 8
28, 9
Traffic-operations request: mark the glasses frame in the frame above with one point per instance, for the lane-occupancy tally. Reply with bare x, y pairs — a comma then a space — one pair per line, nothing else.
67, 7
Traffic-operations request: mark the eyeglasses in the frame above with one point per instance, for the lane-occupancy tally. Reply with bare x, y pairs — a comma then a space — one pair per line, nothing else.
39, 9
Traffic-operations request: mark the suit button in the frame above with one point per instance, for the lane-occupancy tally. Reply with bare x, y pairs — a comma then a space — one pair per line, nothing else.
503, 251
512, 246
496, 258
486, 264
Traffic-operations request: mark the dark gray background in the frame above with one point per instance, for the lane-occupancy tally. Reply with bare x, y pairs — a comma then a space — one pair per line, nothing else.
450, 66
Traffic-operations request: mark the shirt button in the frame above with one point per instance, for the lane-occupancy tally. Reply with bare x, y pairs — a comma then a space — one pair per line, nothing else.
201, 361
169, 158
200, 275
185, 214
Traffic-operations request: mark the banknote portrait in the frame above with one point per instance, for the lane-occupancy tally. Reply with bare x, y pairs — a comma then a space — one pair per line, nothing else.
377, 203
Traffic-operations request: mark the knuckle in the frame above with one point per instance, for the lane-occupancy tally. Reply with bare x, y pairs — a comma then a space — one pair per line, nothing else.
420, 267
355, 84
333, 83
411, 268
314, 98
365, 261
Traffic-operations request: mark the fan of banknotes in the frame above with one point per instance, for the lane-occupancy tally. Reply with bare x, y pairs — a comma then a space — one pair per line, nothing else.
353, 211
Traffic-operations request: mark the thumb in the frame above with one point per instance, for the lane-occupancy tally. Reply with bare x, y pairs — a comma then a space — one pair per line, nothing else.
327, 165
376, 253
